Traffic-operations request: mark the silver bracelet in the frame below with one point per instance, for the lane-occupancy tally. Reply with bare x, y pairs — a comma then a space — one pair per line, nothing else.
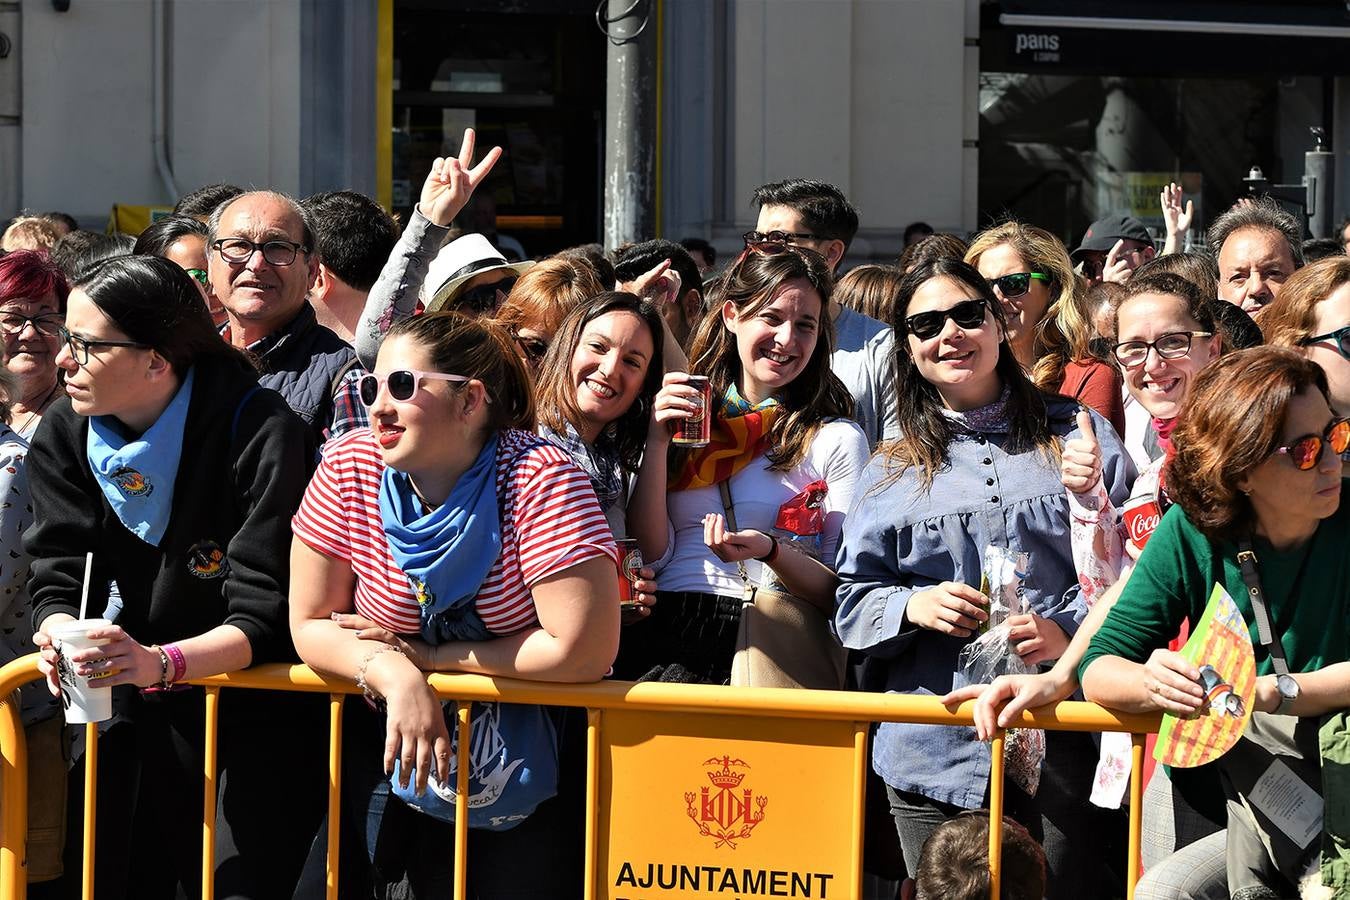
371, 696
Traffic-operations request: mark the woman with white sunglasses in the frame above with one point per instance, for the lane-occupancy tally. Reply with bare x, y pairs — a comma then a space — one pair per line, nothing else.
449, 537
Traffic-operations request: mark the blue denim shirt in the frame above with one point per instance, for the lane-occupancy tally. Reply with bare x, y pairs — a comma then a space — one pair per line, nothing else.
900, 539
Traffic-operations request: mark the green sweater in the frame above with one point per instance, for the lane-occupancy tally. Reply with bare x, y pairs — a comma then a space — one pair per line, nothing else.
1179, 567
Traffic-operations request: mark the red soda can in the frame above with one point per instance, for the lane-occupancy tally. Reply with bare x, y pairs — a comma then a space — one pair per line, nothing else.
696, 430
630, 560
1141, 515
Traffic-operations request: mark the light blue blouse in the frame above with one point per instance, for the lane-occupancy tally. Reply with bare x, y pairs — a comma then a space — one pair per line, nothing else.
900, 539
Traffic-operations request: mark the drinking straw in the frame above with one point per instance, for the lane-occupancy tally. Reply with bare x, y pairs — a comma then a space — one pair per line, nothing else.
84, 597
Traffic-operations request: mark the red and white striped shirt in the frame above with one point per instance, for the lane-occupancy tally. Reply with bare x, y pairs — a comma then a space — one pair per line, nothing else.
550, 521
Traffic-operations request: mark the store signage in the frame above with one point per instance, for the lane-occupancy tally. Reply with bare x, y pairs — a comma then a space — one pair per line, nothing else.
731, 807
1036, 46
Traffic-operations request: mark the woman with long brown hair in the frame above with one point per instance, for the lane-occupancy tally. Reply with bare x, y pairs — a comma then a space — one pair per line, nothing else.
780, 425
975, 474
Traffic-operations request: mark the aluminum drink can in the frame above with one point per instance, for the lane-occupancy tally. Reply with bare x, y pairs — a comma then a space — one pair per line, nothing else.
630, 560
696, 430
1141, 516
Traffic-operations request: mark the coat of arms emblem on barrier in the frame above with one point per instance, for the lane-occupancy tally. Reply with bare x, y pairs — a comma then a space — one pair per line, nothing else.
725, 812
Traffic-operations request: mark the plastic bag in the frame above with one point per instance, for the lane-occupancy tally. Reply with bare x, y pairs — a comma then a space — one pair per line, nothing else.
991, 654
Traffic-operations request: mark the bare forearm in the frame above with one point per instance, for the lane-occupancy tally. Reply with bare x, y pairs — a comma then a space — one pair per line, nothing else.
1117, 683
534, 655
329, 648
1066, 667
648, 518
222, 649
806, 577
1320, 692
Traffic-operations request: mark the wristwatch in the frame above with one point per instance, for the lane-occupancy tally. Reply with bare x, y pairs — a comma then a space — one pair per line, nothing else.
1289, 691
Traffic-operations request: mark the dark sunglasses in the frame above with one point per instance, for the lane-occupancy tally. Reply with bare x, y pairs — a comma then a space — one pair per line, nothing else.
1018, 283
776, 237
1340, 338
484, 298
1306, 452
966, 314
403, 383
533, 348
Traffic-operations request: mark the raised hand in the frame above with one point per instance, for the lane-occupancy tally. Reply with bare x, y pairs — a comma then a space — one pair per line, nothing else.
1080, 467
660, 284
951, 608
1119, 263
452, 181
1178, 220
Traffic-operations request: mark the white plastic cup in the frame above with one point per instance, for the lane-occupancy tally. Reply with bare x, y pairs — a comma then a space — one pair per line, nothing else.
84, 700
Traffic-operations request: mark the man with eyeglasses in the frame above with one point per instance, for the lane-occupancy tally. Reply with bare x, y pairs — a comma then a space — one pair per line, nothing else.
818, 216
262, 264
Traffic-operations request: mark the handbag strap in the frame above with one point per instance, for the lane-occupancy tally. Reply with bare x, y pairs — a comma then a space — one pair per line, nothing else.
729, 507
1264, 631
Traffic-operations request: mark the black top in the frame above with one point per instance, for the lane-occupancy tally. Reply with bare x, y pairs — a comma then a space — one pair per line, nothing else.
224, 558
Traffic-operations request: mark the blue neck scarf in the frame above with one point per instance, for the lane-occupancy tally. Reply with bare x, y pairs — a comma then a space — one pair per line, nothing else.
448, 552
137, 475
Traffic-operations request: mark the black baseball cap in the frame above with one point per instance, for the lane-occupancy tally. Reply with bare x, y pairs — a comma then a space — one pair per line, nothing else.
1103, 233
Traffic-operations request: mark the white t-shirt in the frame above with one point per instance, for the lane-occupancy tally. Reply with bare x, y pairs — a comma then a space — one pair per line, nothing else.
838, 455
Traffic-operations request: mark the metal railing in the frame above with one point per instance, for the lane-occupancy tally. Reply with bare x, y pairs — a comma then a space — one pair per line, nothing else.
595, 698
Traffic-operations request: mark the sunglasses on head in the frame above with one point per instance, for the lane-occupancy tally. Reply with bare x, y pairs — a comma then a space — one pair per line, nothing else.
1340, 338
402, 383
966, 314
1306, 452
1018, 283
484, 298
776, 237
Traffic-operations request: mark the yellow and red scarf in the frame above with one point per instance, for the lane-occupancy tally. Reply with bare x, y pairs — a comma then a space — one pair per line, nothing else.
738, 434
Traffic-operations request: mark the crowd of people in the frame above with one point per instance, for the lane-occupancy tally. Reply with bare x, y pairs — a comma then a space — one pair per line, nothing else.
294, 431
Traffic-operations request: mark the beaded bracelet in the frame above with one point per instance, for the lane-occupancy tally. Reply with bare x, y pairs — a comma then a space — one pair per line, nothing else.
371, 697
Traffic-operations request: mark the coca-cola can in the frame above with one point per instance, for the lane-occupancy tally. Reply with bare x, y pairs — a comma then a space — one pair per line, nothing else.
630, 560
696, 429
1141, 515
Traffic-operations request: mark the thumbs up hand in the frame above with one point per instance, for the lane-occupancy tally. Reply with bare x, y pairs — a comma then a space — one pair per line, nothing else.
1081, 463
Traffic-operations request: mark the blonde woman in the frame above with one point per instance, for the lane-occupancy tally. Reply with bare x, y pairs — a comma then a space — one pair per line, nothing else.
1043, 302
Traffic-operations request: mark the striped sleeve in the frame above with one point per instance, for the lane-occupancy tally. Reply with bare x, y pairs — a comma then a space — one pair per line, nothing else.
322, 521
558, 522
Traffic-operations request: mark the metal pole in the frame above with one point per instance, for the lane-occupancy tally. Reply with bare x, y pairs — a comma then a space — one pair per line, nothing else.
630, 120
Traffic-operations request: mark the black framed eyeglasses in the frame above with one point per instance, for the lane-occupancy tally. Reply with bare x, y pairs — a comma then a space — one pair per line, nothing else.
13, 323
966, 314
1340, 338
1170, 346
484, 298
1306, 452
777, 237
1017, 283
402, 383
79, 346
240, 250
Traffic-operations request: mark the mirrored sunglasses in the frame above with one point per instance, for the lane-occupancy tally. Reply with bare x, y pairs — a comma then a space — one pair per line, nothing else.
1306, 452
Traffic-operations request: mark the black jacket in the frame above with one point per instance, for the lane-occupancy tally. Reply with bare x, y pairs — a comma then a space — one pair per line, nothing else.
303, 362
224, 558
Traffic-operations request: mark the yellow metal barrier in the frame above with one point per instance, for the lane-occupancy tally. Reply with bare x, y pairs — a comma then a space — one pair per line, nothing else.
860, 709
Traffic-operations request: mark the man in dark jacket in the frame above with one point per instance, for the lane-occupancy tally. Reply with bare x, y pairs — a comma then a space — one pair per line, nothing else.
262, 263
